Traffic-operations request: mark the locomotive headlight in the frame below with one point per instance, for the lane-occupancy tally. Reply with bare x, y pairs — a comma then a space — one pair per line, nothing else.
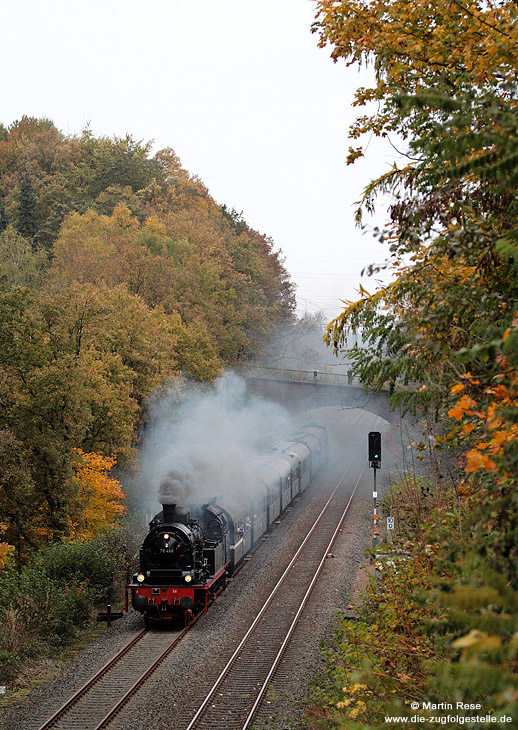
188, 578
141, 577
166, 536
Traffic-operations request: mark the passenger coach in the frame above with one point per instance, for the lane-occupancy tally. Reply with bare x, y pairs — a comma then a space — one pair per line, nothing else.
191, 550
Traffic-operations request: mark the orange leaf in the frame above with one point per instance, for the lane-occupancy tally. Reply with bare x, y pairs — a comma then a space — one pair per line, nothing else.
475, 460
463, 406
500, 438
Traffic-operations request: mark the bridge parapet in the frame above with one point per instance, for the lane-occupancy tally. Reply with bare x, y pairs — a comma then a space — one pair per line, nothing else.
297, 390
317, 377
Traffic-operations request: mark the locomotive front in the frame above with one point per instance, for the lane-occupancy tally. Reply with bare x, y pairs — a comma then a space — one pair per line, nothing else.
176, 576
172, 552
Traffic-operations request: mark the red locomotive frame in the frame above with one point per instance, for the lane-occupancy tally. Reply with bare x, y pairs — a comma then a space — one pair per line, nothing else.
164, 602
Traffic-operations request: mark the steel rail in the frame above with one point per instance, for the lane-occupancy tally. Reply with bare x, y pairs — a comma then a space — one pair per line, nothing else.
270, 598
116, 708
122, 701
122, 652
295, 621
96, 677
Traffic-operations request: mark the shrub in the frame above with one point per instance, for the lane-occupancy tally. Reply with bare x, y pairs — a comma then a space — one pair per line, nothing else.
90, 563
70, 609
43, 606
10, 663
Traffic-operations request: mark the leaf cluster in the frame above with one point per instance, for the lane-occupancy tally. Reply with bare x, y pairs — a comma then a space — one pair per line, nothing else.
443, 333
452, 227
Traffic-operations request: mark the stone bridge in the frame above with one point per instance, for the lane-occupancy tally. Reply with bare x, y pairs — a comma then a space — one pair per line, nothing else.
302, 390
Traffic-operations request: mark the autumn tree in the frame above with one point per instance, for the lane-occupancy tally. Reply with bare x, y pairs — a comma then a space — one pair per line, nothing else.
189, 262
100, 497
4, 218
129, 275
27, 224
20, 264
208, 267
445, 94
445, 86
76, 368
18, 504
121, 161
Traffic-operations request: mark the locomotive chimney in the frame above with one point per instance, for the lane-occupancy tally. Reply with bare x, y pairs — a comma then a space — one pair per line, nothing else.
169, 512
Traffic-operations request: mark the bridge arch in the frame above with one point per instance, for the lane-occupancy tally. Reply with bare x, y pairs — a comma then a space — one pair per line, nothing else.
299, 396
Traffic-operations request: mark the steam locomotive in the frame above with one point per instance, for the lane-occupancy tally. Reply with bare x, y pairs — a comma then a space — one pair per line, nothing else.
191, 550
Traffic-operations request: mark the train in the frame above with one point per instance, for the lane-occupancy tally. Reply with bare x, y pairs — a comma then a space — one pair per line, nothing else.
191, 550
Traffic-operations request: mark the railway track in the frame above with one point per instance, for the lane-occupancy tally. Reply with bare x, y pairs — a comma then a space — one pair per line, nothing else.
95, 704
238, 692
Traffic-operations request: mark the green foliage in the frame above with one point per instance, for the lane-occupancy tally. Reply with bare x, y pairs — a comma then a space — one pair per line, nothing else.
27, 222
91, 564
54, 596
120, 274
17, 488
10, 664
445, 82
20, 264
4, 218
376, 664
436, 626
76, 367
453, 213
185, 252
196, 356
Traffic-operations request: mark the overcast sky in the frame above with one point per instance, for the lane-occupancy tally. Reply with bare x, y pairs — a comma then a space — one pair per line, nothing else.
241, 92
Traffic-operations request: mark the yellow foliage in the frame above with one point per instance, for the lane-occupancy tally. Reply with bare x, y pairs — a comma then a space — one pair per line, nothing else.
417, 36
496, 432
85, 247
100, 495
476, 642
343, 703
155, 225
6, 550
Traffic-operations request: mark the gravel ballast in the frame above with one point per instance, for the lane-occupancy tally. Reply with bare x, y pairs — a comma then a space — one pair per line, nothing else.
165, 698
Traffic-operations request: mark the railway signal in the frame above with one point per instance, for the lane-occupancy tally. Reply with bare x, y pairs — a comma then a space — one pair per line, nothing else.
375, 463
375, 450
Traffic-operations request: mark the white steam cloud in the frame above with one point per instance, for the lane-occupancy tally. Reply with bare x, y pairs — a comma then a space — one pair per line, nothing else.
204, 439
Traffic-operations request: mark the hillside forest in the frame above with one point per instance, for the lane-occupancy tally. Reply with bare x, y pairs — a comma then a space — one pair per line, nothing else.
441, 623
119, 274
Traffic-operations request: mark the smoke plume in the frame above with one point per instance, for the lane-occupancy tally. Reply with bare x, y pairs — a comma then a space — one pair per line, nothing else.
204, 441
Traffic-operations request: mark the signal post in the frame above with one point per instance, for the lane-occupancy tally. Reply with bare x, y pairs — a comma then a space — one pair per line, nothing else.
375, 463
